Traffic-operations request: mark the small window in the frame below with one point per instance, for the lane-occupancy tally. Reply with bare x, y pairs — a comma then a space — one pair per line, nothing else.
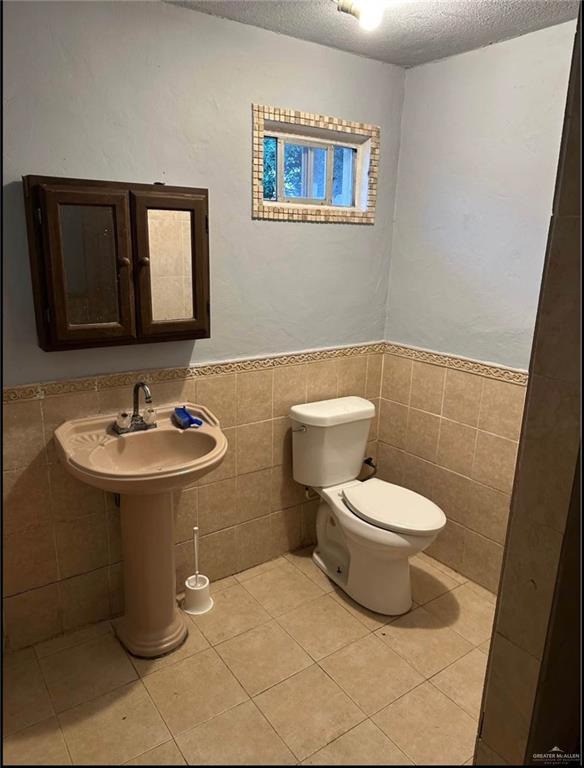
309, 173
313, 168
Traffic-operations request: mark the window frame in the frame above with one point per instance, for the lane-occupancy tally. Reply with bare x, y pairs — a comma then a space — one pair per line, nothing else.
282, 138
314, 129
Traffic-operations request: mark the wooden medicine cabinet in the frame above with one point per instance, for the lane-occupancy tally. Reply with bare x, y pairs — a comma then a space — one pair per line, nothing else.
115, 263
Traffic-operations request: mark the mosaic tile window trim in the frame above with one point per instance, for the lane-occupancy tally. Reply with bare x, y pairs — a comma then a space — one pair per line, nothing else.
305, 213
39, 391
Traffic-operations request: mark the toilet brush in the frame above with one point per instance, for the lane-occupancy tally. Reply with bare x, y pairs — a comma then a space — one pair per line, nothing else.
197, 598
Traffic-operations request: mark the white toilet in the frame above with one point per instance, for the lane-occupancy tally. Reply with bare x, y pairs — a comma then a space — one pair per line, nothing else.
366, 530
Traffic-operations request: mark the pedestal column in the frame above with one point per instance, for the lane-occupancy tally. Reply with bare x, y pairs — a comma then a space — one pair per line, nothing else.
152, 625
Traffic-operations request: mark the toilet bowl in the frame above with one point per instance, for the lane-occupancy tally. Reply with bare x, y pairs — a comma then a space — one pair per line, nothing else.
366, 530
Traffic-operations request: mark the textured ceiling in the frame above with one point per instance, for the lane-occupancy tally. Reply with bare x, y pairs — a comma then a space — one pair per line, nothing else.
412, 32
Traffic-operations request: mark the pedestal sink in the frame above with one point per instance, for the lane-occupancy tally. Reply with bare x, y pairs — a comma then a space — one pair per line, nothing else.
144, 468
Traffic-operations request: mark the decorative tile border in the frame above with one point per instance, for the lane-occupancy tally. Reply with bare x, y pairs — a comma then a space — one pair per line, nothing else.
127, 379
315, 214
512, 375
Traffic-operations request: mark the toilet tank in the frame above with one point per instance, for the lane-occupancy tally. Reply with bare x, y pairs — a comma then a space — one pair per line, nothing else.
329, 440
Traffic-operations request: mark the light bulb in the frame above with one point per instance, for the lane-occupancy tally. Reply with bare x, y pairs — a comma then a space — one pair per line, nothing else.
370, 14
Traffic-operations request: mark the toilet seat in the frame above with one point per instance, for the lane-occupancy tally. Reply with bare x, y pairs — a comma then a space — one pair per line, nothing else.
393, 508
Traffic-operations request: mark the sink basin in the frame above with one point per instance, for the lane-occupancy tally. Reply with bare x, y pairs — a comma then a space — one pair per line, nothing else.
153, 461
144, 468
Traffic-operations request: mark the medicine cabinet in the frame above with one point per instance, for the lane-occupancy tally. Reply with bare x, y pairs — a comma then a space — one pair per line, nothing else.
115, 263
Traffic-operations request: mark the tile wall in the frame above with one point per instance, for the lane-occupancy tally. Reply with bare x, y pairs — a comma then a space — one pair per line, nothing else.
62, 549
452, 435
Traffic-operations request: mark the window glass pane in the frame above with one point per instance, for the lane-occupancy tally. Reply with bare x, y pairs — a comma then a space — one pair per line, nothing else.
296, 170
270, 168
343, 176
318, 173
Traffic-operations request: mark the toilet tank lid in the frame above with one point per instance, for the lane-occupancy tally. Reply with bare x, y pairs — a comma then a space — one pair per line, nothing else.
328, 413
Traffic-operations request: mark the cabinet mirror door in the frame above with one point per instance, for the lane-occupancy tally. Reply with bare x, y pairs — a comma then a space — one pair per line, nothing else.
172, 269
87, 236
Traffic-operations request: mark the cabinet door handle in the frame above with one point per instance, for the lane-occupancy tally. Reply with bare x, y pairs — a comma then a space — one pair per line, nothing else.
124, 261
144, 261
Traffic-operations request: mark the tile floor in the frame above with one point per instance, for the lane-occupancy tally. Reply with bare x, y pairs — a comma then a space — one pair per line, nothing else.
285, 670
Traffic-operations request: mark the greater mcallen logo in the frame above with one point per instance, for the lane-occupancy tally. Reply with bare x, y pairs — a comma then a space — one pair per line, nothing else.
556, 755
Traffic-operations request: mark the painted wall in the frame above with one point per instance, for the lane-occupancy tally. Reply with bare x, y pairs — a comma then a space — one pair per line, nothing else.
150, 92
480, 142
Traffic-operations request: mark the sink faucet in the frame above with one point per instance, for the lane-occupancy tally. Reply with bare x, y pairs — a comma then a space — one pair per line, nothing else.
137, 422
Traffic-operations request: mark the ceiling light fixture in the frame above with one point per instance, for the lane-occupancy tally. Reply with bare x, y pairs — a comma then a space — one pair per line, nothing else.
368, 12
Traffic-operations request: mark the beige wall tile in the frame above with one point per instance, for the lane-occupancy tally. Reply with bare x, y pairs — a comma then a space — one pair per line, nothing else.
397, 379
172, 393
218, 553
487, 511
217, 393
393, 423
29, 560
254, 447
286, 492
289, 388
23, 439
227, 468
254, 396
374, 427
462, 397
61, 408
85, 599
373, 378
115, 581
32, 616
321, 380
25, 497
352, 373
254, 542
448, 546
390, 463
70, 498
502, 408
482, 560
184, 563
282, 430
451, 492
422, 434
510, 695
494, 462
418, 475
217, 506
456, 446
427, 387
185, 508
286, 530
82, 544
309, 511
253, 496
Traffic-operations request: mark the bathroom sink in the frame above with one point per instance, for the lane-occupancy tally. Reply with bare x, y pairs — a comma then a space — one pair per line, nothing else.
147, 462
144, 467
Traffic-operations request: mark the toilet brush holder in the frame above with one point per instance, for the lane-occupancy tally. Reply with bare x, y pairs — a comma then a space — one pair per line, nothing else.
197, 598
